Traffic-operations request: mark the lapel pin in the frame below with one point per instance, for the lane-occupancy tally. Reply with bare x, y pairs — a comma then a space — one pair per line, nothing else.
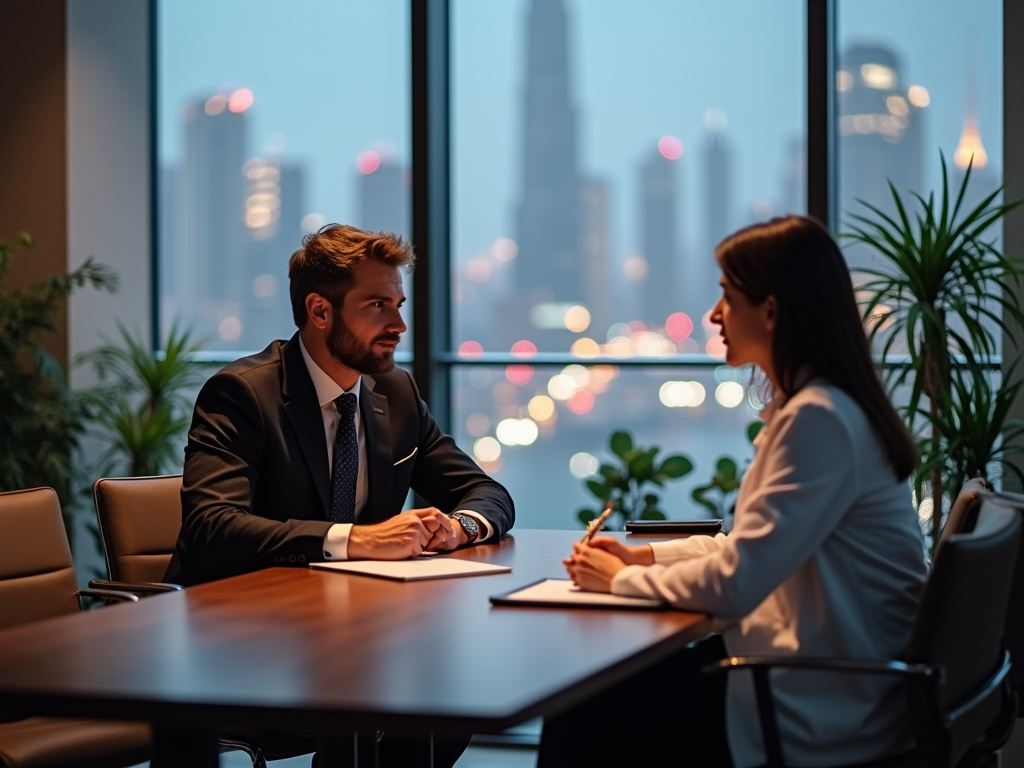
378, 410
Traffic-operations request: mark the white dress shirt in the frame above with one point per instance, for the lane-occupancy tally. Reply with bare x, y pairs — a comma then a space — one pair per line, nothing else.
327, 391
825, 558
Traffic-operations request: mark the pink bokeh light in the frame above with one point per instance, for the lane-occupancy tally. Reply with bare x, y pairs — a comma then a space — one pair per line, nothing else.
679, 326
240, 100
519, 374
670, 147
580, 403
470, 349
524, 348
368, 161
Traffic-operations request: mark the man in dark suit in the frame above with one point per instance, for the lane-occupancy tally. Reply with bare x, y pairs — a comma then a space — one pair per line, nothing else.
306, 451
267, 483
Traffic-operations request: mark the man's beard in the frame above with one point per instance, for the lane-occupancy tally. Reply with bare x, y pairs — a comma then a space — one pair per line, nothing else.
352, 353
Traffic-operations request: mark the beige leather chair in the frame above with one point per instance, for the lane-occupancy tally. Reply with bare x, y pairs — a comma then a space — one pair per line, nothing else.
965, 508
139, 520
37, 581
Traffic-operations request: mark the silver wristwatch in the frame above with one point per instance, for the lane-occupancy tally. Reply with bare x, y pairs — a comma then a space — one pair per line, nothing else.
469, 525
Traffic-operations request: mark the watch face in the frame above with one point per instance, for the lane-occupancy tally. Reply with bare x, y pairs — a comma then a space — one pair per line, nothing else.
470, 526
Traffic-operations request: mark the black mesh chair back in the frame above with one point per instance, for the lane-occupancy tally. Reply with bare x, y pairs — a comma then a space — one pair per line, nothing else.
959, 627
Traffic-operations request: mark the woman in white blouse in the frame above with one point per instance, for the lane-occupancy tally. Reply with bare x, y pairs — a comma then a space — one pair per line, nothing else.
825, 556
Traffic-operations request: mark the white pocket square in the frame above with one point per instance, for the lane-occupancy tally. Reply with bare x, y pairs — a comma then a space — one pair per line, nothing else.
402, 461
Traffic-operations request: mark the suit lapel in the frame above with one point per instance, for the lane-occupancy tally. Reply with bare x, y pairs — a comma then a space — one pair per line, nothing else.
303, 409
373, 409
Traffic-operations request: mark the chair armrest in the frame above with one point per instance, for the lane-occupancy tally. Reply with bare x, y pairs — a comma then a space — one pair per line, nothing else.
108, 594
141, 587
825, 664
760, 665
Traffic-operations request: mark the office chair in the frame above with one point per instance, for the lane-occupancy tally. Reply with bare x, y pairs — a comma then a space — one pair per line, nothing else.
139, 520
37, 581
960, 703
964, 512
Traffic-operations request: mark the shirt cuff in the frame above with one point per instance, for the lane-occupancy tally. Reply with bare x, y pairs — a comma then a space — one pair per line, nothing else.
336, 541
486, 531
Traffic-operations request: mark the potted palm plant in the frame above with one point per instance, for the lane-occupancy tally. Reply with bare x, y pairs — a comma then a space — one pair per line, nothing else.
944, 292
41, 420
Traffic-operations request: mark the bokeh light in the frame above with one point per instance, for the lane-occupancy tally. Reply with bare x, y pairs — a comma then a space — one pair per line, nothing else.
519, 374
918, 96
230, 328
582, 465
682, 394
487, 449
477, 424
470, 349
580, 403
561, 387
215, 104
524, 348
240, 100
577, 319
578, 374
729, 394
715, 347
541, 408
368, 161
635, 268
585, 347
504, 249
679, 326
517, 431
264, 286
670, 147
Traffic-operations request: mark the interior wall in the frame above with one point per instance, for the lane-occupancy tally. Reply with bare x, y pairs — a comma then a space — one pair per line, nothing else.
108, 84
33, 157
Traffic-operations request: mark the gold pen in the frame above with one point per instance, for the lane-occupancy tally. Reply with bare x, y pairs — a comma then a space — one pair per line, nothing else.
597, 523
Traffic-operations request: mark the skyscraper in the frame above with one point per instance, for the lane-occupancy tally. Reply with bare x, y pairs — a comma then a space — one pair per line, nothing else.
701, 279
659, 242
548, 267
211, 205
383, 195
880, 130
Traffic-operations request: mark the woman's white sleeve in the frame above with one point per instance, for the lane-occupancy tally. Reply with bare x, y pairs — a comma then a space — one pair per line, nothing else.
808, 481
668, 552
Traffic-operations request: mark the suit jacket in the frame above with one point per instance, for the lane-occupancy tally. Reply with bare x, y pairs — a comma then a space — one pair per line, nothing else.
256, 482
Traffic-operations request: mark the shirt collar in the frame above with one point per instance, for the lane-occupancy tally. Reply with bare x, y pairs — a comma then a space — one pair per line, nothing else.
327, 389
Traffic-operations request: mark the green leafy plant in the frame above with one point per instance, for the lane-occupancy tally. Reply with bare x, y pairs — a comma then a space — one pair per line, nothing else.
141, 407
719, 495
41, 420
626, 482
943, 271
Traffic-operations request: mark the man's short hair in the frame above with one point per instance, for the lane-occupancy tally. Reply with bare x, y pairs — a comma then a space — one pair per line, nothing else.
327, 257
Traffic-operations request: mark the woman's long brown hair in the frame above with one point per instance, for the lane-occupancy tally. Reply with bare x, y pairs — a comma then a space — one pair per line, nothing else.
818, 327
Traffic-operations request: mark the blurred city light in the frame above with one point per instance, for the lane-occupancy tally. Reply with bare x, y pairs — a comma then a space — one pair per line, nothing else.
670, 147
679, 326
729, 394
585, 348
715, 347
487, 449
368, 161
925, 509
878, 76
844, 81
215, 104
918, 96
561, 387
470, 349
581, 402
230, 328
541, 408
517, 431
312, 222
682, 394
519, 374
264, 286
504, 249
524, 348
577, 318
477, 424
579, 374
635, 268
582, 465
240, 100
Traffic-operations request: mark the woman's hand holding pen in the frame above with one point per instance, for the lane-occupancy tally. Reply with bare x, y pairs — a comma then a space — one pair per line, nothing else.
593, 566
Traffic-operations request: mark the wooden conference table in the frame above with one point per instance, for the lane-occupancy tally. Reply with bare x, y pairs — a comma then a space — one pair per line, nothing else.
329, 653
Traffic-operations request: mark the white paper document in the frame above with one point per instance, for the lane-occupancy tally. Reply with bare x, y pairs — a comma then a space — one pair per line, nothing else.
564, 592
416, 569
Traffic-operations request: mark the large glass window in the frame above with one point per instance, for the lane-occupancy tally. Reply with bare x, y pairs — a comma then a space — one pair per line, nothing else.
914, 78
274, 118
600, 151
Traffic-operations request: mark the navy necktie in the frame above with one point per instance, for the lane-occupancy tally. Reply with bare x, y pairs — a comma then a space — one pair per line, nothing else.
345, 464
